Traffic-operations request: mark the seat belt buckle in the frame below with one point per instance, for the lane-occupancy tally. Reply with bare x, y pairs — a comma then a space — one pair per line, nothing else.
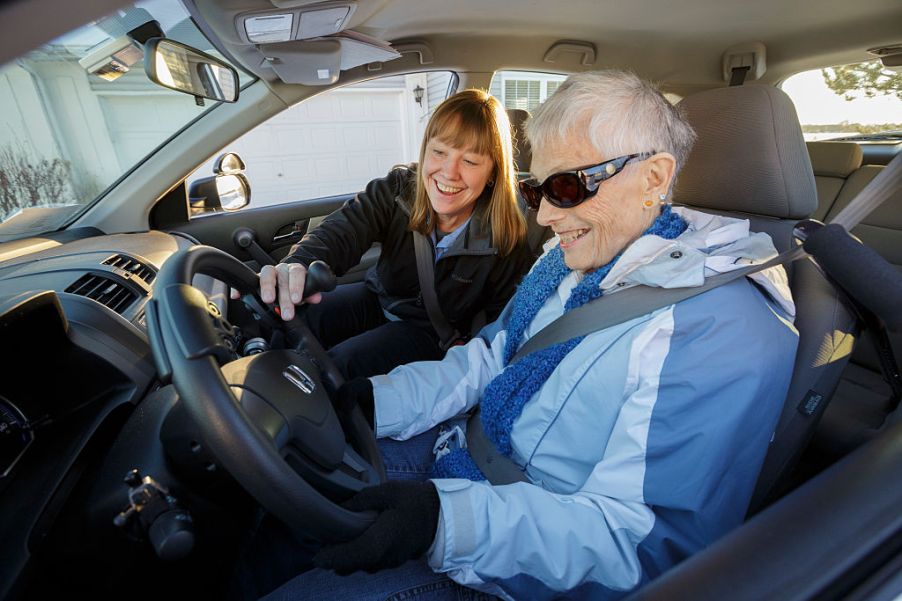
448, 437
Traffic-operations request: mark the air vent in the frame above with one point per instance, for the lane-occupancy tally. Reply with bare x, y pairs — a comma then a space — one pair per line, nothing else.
105, 291
133, 265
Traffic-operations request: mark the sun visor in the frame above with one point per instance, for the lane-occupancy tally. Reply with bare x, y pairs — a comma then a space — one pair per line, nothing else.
313, 63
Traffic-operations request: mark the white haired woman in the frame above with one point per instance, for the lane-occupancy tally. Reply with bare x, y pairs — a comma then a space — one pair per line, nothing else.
639, 444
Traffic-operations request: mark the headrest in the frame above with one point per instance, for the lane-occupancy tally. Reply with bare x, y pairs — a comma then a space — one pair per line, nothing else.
835, 159
522, 150
750, 155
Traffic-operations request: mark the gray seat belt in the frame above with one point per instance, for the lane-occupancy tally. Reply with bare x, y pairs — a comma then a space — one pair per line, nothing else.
426, 274
613, 309
634, 302
597, 315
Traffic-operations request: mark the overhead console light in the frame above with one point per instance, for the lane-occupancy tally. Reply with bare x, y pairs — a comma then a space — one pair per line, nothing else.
112, 58
268, 29
295, 22
306, 42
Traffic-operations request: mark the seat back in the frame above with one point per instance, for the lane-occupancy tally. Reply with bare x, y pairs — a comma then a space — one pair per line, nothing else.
750, 161
832, 163
862, 406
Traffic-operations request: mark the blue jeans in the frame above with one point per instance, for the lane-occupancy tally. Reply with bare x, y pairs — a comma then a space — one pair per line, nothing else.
408, 460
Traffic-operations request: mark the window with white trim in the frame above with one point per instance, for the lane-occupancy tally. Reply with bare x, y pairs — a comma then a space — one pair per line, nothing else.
523, 89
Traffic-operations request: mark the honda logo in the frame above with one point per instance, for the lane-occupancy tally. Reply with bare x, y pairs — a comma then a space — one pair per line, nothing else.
299, 378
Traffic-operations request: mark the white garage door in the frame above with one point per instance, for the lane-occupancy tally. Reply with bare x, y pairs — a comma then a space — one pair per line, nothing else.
331, 144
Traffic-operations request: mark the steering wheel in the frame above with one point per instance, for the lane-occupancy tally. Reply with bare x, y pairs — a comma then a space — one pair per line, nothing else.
266, 417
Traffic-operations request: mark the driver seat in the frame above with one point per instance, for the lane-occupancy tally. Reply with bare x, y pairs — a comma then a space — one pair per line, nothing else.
750, 161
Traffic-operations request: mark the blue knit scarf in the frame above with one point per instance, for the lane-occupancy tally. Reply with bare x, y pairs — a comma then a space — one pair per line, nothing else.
509, 391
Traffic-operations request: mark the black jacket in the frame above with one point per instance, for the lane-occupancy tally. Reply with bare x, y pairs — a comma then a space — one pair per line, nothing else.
469, 277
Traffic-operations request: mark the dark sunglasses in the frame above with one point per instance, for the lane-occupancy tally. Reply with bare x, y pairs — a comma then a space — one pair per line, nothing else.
568, 189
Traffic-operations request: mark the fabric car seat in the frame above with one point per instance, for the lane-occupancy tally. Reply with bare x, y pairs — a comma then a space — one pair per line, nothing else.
750, 161
863, 405
832, 163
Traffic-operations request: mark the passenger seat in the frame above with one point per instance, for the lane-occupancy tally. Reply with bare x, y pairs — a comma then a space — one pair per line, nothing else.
832, 163
750, 161
861, 405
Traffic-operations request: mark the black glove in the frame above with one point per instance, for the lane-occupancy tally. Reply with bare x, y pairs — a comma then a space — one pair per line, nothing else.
404, 528
356, 392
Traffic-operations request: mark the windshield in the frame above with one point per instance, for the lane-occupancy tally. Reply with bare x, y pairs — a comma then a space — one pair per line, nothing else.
79, 112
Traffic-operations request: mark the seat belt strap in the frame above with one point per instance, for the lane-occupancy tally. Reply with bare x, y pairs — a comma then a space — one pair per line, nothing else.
497, 468
597, 315
592, 317
624, 305
426, 274
737, 75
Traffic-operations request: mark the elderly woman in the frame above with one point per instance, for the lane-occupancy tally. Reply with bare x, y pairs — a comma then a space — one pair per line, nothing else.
639, 444
462, 198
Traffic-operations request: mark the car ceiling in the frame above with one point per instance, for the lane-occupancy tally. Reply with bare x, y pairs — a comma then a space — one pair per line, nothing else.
677, 43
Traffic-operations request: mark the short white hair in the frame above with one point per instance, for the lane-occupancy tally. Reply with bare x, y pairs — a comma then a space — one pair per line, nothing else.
618, 112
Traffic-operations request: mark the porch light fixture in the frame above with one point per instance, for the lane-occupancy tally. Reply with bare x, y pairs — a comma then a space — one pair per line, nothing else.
418, 94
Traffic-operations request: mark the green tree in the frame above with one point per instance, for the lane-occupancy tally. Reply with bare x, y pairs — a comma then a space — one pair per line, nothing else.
871, 79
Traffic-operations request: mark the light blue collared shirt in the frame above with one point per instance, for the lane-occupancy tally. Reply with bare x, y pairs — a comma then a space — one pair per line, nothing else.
445, 243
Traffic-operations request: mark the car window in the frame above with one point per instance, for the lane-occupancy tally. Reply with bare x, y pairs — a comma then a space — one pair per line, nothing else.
337, 141
73, 120
524, 89
858, 101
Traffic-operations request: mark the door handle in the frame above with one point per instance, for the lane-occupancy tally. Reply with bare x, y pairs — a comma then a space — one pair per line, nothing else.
295, 232
289, 238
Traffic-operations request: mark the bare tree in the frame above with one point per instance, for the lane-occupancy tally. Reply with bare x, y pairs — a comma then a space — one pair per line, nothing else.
28, 180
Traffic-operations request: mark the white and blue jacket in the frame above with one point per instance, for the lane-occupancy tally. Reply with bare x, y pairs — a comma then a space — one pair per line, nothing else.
642, 447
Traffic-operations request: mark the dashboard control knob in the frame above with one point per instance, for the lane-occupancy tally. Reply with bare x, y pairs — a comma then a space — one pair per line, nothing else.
172, 535
255, 346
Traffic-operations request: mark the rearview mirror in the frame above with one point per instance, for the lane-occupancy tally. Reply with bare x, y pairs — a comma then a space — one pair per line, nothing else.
185, 69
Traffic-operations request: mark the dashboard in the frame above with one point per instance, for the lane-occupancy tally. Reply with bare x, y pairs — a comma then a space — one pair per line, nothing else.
76, 362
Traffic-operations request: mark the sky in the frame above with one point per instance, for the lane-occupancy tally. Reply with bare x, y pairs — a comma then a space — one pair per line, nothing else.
818, 104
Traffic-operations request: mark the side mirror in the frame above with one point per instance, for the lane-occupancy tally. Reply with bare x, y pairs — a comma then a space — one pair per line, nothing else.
185, 69
227, 190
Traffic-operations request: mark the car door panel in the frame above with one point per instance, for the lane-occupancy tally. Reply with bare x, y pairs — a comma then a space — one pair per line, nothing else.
276, 228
